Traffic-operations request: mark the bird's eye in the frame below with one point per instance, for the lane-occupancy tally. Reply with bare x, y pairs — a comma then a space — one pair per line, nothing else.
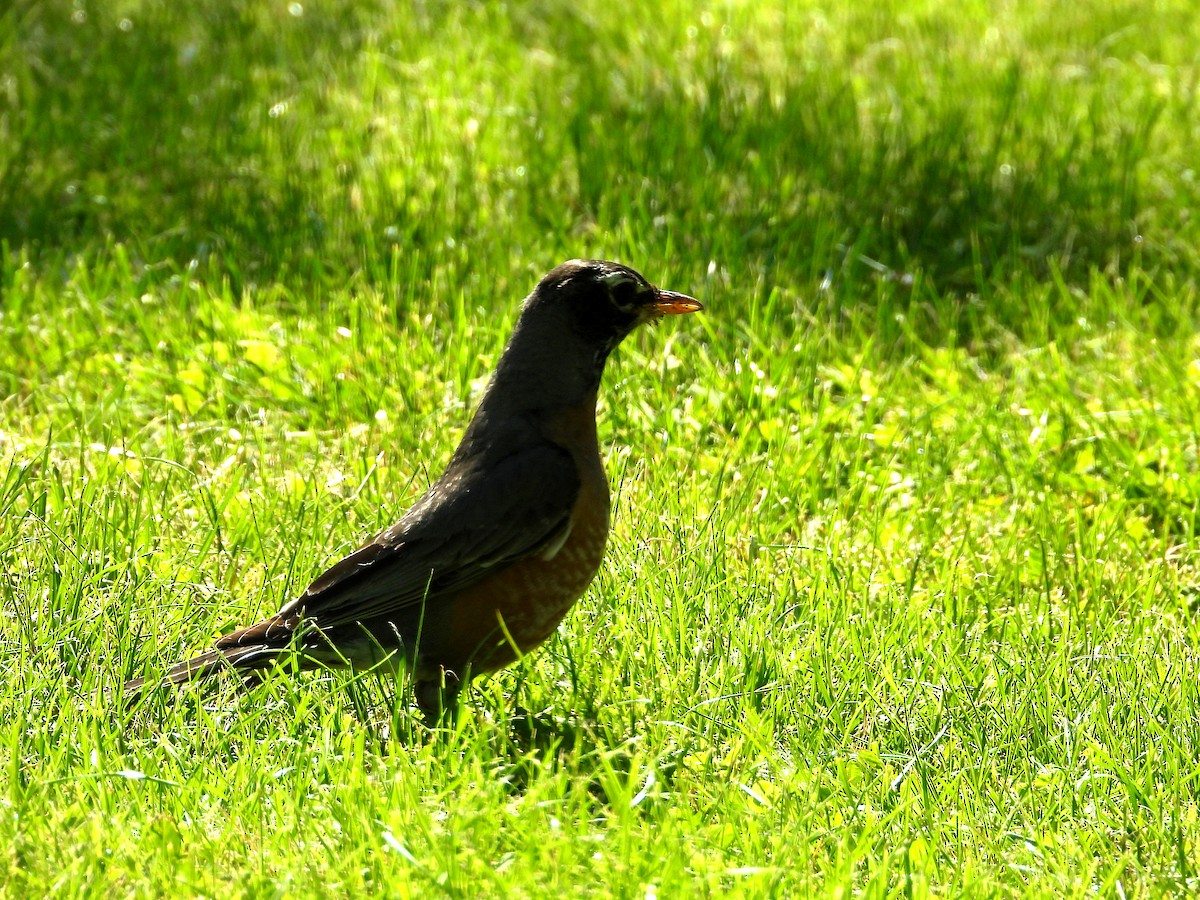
624, 296
622, 290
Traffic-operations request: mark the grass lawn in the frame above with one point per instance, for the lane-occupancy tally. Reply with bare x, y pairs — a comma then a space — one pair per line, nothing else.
901, 596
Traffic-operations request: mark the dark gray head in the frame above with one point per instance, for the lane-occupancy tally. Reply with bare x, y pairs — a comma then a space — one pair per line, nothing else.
602, 301
568, 326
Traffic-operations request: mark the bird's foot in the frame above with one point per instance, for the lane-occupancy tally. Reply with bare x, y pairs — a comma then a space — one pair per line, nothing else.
438, 697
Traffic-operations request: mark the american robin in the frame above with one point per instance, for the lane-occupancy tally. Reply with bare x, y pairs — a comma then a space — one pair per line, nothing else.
485, 565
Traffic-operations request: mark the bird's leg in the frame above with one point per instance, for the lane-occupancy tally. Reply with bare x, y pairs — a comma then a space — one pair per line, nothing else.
438, 696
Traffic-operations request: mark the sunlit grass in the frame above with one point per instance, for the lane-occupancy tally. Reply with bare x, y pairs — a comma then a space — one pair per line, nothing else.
900, 595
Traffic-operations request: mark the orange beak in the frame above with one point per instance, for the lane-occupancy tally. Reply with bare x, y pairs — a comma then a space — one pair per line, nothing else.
670, 303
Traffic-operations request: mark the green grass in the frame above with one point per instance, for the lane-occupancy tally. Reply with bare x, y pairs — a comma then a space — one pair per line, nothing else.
901, 594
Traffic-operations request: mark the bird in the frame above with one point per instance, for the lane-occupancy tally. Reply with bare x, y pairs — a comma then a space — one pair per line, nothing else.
483, 567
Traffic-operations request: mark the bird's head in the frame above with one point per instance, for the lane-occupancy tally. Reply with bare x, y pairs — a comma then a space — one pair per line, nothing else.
567, 328
604, 301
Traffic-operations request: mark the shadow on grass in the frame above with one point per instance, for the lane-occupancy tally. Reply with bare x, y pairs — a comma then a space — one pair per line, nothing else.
220, 134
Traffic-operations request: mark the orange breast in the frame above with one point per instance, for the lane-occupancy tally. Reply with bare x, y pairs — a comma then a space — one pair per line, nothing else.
523, 603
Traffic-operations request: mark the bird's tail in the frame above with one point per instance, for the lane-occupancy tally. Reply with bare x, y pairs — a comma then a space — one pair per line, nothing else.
245, 660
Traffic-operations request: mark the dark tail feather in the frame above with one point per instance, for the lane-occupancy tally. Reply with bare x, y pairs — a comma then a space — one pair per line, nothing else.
214, 662
247, 650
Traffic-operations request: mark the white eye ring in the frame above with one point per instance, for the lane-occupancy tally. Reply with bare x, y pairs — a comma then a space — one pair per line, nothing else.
616, 279
613, 280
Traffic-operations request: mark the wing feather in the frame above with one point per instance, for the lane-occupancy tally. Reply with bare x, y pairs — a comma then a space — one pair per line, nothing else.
474, 517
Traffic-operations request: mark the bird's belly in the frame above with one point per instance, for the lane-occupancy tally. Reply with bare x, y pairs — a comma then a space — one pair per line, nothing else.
511, 612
